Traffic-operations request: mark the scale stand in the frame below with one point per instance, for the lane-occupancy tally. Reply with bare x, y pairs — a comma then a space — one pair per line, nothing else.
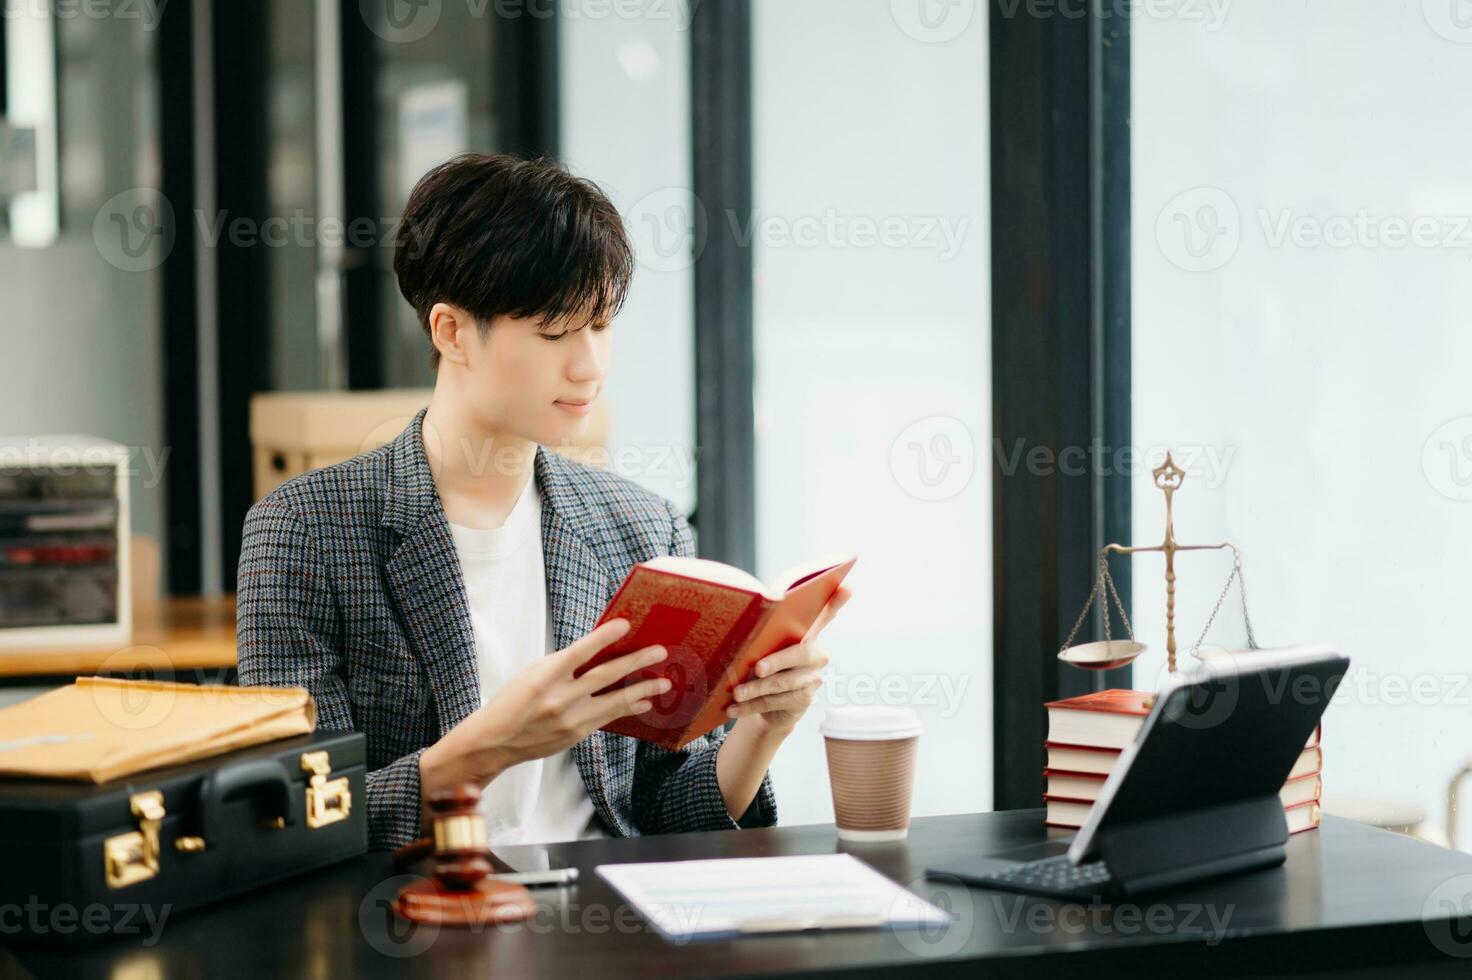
1110, 653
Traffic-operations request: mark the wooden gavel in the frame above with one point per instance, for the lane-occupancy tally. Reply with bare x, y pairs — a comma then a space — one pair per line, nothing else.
460, 890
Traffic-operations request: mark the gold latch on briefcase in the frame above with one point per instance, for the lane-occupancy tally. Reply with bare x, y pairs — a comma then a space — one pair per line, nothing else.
133, 857
328, 800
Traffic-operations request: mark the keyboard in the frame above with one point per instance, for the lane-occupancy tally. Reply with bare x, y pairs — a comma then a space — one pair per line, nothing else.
1055, 876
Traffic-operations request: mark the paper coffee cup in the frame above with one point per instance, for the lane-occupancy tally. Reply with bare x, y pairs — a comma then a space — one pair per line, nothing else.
871, 770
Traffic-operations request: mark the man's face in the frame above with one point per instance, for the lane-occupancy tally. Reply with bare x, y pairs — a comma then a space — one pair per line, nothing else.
527, 378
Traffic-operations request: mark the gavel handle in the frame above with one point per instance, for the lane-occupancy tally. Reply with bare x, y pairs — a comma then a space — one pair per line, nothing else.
413, 851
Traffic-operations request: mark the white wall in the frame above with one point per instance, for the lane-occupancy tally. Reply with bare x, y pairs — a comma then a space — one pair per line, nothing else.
872, 340
1329, 379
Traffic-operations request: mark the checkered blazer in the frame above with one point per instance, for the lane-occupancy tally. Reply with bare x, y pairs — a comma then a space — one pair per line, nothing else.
349, 586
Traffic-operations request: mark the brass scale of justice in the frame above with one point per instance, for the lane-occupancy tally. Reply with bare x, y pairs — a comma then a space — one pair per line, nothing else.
1109, 653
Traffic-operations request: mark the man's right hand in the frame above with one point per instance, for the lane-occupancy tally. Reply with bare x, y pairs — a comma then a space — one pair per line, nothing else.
542, 711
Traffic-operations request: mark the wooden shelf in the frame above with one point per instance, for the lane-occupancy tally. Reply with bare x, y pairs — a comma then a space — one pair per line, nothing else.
174, 634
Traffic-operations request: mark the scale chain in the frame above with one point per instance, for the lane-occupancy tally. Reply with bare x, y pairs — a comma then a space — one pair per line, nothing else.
1102, 582
1241, 580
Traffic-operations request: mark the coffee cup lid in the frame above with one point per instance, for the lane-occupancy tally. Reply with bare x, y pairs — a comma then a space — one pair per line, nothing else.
870, 722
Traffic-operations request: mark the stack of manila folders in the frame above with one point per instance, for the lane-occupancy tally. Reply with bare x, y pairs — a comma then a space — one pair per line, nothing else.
102, 728
1086, 735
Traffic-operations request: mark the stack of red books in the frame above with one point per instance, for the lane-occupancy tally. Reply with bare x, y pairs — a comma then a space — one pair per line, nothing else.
1086, 735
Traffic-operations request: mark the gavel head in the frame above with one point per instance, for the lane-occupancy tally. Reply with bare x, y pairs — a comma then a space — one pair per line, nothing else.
460, 843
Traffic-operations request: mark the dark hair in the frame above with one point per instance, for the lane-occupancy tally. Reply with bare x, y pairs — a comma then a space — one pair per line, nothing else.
498, 235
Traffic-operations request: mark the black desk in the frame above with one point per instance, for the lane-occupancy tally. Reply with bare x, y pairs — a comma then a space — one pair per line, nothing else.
1349, 897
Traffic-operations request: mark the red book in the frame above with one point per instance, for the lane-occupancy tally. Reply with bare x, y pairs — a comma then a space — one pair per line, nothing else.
1304, 789
1105, 719
1305, 816
1067, 813
716, 621
1083, 787
1310, 760
1080, 758
1078, 786
1073, 813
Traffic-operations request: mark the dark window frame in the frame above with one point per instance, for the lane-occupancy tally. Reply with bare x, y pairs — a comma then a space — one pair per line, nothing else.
1060, 359
721, 165
180, 310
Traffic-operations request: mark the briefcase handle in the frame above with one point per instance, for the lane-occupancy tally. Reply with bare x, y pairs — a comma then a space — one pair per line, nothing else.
264, 779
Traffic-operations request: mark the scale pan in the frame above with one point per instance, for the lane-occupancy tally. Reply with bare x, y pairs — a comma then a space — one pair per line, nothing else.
1102, 654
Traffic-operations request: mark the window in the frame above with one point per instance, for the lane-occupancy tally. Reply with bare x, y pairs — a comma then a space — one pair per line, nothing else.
1303, 226
872, 368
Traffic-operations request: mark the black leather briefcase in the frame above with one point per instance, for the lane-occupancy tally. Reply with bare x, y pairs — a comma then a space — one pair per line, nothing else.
79, 860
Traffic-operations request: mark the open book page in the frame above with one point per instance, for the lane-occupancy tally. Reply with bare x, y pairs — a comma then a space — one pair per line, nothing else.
707, 571
783, 582
729, 575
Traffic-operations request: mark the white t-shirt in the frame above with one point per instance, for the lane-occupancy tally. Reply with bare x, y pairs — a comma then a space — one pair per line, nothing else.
543, 800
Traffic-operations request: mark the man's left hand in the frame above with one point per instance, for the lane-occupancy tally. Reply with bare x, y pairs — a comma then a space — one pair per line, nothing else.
786, 681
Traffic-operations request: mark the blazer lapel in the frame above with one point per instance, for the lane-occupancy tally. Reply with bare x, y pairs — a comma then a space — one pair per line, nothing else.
578, 583
579, 586
424, 578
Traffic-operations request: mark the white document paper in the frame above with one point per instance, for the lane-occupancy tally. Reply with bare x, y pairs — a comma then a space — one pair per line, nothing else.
737, 896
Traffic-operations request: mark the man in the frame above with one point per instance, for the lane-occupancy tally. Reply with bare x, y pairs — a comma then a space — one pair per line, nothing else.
438, 593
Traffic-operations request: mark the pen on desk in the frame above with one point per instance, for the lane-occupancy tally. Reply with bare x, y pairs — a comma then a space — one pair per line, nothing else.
532, 879
424, 847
